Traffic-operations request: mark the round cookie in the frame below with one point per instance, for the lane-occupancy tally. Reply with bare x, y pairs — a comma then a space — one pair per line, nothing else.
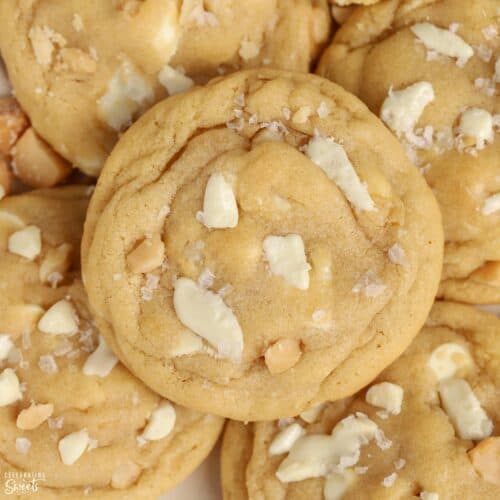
430, 70
259, 244
83, 70
72, 420
428, 427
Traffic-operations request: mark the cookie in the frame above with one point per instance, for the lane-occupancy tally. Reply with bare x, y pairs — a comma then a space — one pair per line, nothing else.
84, 70
258, 244
74, 421
430, 70
428, 427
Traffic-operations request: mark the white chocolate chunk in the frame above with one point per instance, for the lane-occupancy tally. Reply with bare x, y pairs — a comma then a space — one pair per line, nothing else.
443, 41
402, 109
101, 361
23, 445
447, 359
464, 409
333, 160
32, 417
287, 258
206, 314
10, 391
478, 124
26, 242
125, 475
337, 484
174, 80
60, 319
127, 93
160, 423
387, 396
397, 255
310, 416
491, 204
5, 346
316, 455
284, 441
72, 446
428, 495
187, 343
219, 204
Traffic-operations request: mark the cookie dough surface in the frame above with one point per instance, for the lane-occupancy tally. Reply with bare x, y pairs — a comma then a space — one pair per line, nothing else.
83, 70
448, 53
259, 244
54, 383
416, 453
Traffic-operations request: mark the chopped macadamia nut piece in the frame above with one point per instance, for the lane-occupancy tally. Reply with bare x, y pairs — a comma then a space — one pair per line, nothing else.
337, 484
286, 257
101, 362
387, 396
147, 256
127, 93
125, 475
44, 41
491, 204
285, 439
476, 123
310, 416
72, 446
5, 178
160, 423
206, 314
56, 260
464, 409
13, 122
26, 242
32, 417
37, 164
316, 455
443, 41
60, 319
10, 390
485, 458
220, 209
282, 355
333, 160
6, 345
174, 80
447, 359
402, 109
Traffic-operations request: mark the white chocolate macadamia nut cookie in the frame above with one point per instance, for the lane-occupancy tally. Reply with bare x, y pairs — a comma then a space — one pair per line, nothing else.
84, 70
443, 441
68, 409
296, 250
431, 69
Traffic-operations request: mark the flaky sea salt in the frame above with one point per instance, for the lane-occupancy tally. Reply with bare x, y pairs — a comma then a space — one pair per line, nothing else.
389, 480
23, 445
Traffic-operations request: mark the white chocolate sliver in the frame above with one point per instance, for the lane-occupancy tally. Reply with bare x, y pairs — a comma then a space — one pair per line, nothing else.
337, 484
447, 359
285, 439
402, 109
333, 160
464, 409
206, 314
101, 362
10, 392
491, 204
387, 396
220, 210
442, 41
174, 80
316, 455
60, 319
6, 345
126, 94
72, 446
26, 242
160, 423
477, 123
287, 258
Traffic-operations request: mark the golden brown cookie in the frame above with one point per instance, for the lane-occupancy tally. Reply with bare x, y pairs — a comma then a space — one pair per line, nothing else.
428, 427
85, 69
259, 244
430, 69
73, 419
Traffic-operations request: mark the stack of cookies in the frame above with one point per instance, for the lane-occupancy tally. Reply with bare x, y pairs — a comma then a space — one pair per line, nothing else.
196, 227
